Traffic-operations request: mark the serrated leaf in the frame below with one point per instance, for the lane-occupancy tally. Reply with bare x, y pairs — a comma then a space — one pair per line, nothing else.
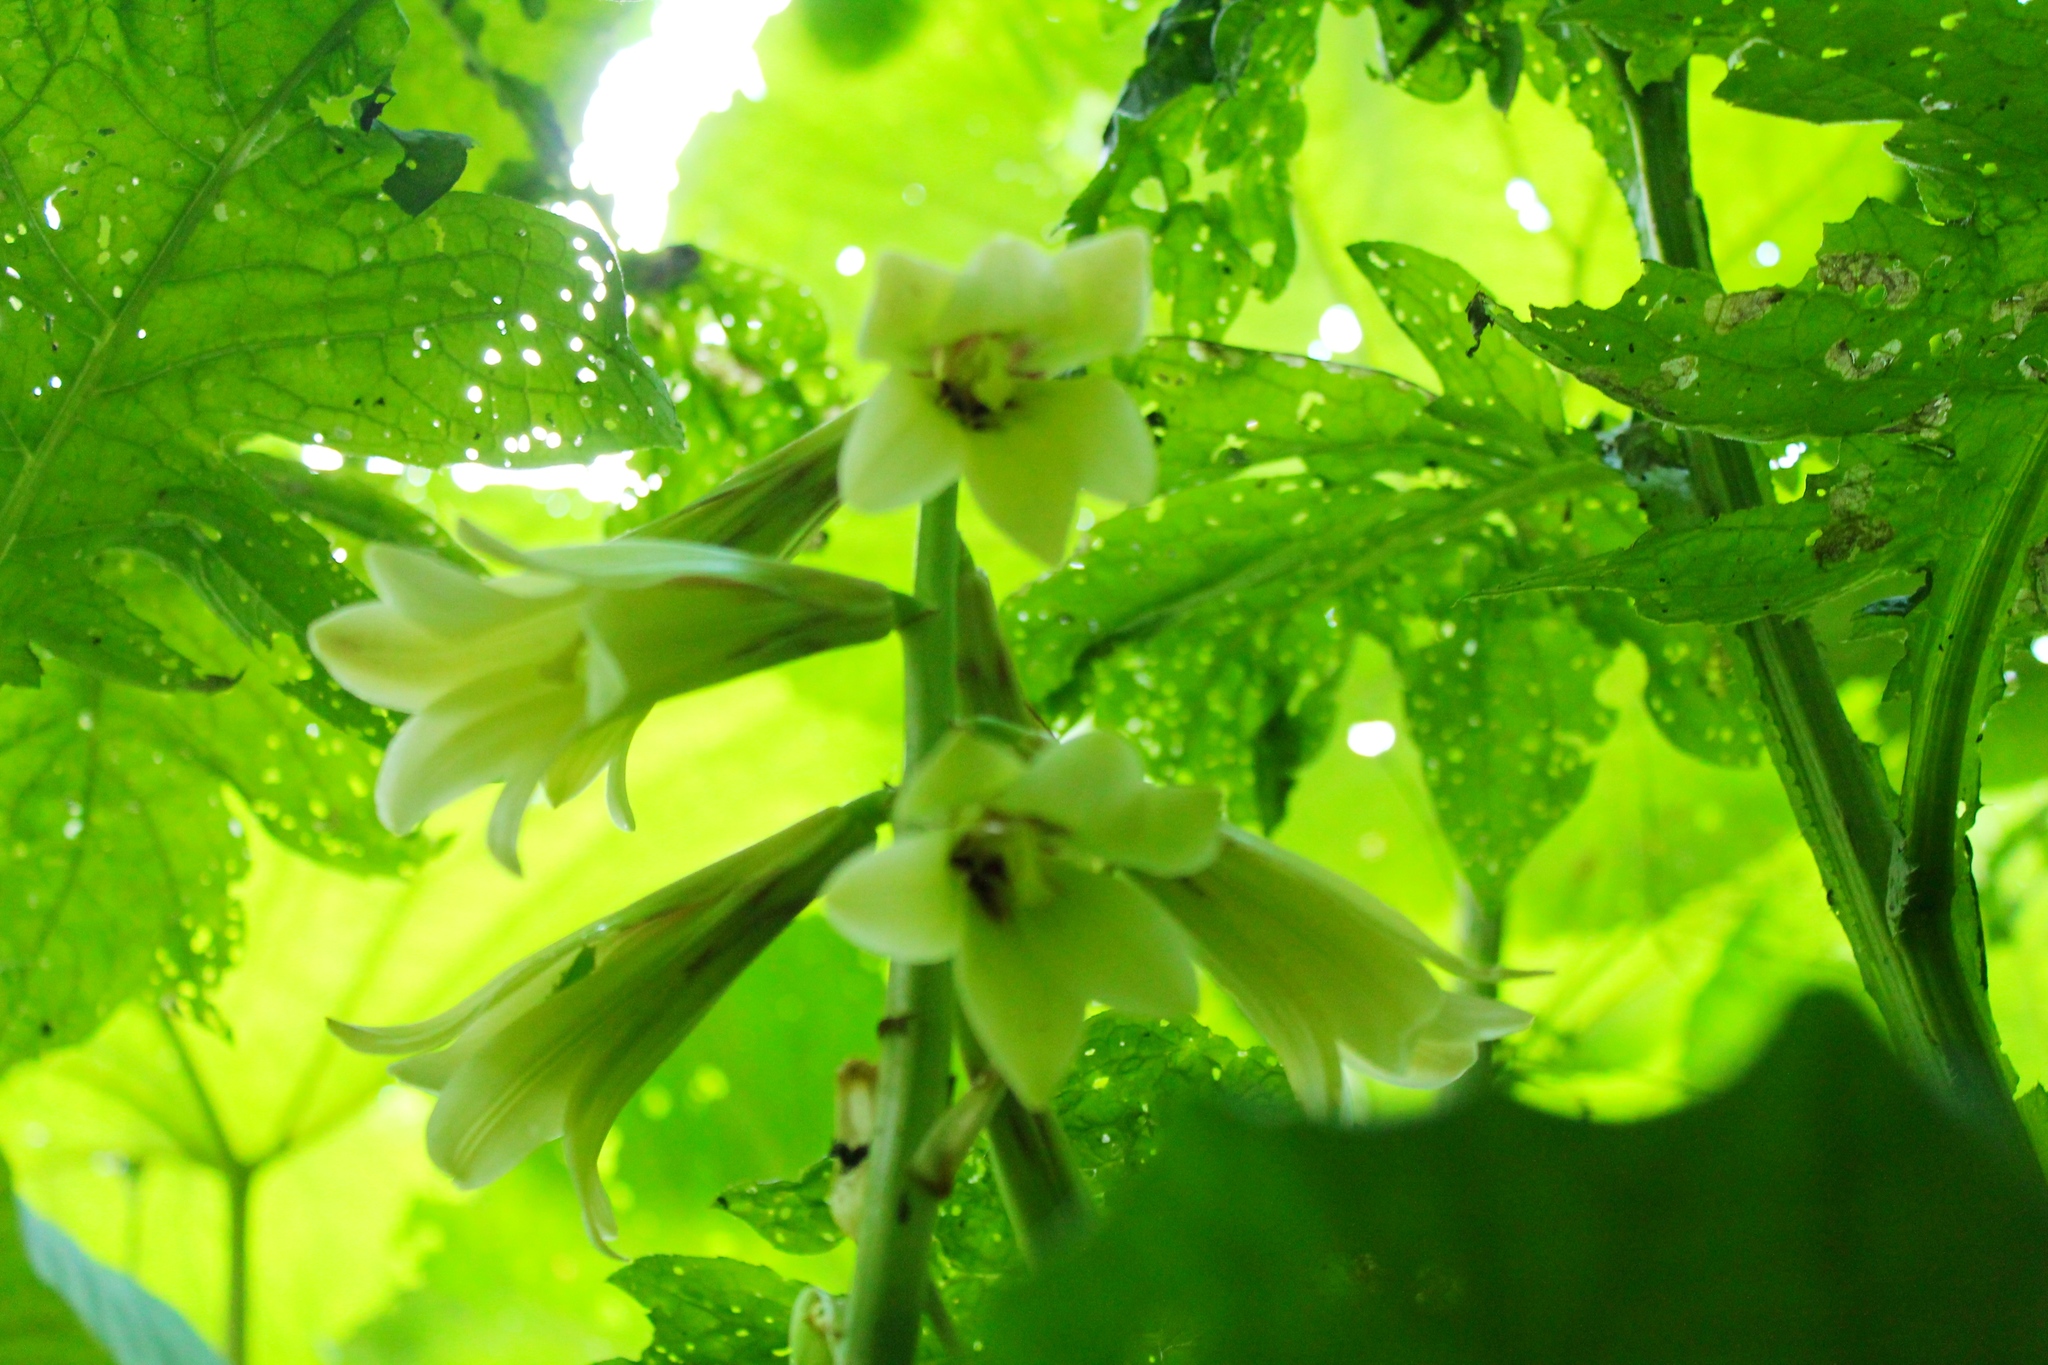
791, 1215
744, 350
1878, 513
1966, 80
1899, 321
711, 1309
1220, 88
217, 262
1502, 706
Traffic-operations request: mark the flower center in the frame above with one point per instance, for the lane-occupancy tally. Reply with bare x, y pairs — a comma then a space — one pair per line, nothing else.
978, 377
1003, 863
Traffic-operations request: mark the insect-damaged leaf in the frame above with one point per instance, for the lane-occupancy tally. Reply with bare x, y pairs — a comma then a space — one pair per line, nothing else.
1969, 82
196, 256
1898, 321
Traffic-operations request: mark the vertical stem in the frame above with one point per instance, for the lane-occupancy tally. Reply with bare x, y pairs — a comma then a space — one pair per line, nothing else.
1960, 656
1927, 1003
1480, 929
240, 1176
916, 1035
1048, 1205
240, 1180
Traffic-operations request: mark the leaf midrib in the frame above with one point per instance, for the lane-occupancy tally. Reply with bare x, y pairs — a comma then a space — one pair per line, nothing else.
84, 387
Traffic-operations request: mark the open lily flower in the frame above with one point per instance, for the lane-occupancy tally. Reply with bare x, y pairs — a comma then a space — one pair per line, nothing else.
560, 1041
1330, 974
539, 679
1016, 873
973, 389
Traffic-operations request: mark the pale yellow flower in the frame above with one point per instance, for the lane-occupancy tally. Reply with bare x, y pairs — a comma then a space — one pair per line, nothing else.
1330, 974
1016, 873
539, 679
975, 388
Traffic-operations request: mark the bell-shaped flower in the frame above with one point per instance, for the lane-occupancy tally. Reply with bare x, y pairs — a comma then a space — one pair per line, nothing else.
974, 385
1330, 974
539, 679
559, 1042
1018, 873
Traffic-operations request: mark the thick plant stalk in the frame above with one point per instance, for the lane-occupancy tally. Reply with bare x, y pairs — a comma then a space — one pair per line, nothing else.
1042, 1191
917, 1033
1935, 1014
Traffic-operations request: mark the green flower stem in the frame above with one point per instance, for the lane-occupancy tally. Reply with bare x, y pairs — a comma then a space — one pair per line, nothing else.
1934, 1012
240, 1176
890, 1275
1960, 662
1048, 1205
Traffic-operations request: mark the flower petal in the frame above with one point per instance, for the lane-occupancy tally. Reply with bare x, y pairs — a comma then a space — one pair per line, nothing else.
587, 754
1114, 944
480, 733
1024, 1011
1108, 283
903, 902
388, 659
1026, 472
903, 448
1119, 459
900, 326
1008, 287
435, 595
1446, 1047
1094, 787
964, 770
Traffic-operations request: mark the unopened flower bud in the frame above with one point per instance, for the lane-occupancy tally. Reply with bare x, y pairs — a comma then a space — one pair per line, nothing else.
815, 1328
853, 1133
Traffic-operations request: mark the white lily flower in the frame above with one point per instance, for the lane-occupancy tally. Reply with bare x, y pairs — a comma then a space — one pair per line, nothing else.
557, 1044
1016, 873
972, 387
539, 679
1331, 974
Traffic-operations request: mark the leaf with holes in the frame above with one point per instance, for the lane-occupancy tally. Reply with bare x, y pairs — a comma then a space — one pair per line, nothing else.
1898, 322
744, 352
1968, 82
711, 1309
217, 261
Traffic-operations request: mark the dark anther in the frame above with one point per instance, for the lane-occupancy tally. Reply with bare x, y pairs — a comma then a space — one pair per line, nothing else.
959, 400
893, 1024
849, 1158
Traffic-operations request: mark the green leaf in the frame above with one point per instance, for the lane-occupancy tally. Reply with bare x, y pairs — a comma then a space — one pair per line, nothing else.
1824, 1209
791, 1215
351, 507
1967, 81
1216, 411
744, 350
1501, 701
37, 1325
433, 163
122, 850
1899, 321
515, 76
1878, 513
1220, 88
136, 1326
1434, 48
216, 261
711, 1309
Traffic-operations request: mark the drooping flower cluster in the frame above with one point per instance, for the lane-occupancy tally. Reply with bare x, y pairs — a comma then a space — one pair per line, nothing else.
974, 385
559, 1042
1018, 874
539, 679
1071, 879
